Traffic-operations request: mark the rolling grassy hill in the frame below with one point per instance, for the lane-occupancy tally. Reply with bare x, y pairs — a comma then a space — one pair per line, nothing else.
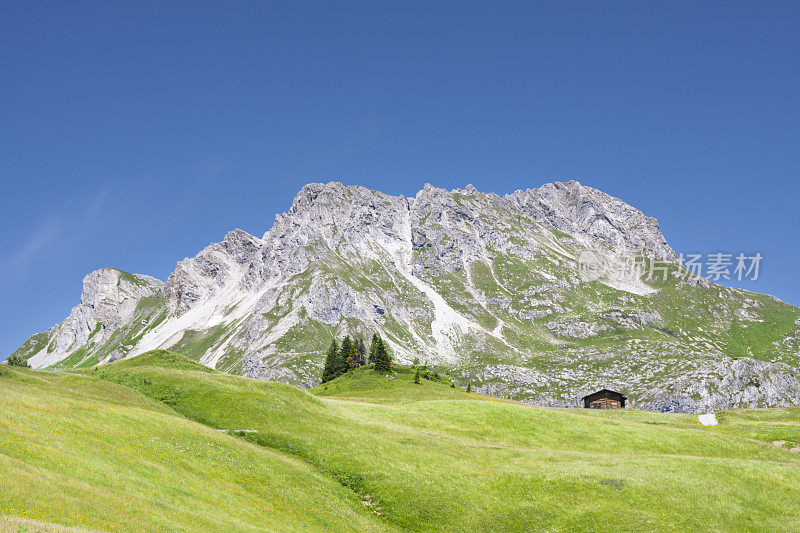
189, 448
80, 451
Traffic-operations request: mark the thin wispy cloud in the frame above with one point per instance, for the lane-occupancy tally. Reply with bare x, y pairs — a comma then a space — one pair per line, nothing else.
97, 203
42, 237
56, 228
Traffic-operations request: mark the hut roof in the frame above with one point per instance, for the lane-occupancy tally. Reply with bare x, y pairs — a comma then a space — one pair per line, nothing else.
605, 390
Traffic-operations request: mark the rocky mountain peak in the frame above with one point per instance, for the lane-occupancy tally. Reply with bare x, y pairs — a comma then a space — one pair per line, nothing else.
593, 217
109, 300
110, 286
482, 284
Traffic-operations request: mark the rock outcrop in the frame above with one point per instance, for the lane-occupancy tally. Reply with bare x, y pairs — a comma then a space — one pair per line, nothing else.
109, 301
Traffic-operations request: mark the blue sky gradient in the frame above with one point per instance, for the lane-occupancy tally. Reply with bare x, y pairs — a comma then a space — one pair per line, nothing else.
133, 134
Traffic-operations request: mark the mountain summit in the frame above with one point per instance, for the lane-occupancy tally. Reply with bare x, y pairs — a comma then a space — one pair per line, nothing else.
488, 286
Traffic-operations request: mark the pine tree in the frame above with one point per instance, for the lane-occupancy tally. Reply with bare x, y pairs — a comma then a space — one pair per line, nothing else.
331, 370
377, 355
16, 360
382, 358
361, 350
376, 340
416, 377
355, 358
469, 386
345, 353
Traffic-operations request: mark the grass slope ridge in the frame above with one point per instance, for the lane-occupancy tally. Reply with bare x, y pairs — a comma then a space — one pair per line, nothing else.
428, 457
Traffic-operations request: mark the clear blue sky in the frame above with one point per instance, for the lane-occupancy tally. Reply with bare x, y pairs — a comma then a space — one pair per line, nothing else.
132, 134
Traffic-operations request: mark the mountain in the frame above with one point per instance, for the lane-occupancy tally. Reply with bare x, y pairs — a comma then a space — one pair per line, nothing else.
490, 287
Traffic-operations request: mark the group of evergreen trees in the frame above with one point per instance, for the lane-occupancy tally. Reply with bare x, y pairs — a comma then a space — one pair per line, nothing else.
353, 354
16, 360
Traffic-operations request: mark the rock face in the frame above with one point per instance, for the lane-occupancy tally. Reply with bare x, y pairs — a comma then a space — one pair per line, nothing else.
489, 287
110, 300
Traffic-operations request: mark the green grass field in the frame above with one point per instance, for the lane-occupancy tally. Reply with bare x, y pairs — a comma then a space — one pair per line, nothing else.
159, 442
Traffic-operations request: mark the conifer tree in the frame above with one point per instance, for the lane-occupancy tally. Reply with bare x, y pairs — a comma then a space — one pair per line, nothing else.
345, 352
355, 358
416, 377
331, 370
361, 350
373, 347
382, 358
16, 360
469, 386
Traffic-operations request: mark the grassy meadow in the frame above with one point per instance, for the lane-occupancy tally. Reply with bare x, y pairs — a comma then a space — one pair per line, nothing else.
159, 442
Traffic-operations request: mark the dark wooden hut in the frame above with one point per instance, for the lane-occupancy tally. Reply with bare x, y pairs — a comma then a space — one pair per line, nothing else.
604, 399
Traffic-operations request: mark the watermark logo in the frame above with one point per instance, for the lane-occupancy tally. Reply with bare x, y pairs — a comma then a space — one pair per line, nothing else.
717, 266
591, 266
